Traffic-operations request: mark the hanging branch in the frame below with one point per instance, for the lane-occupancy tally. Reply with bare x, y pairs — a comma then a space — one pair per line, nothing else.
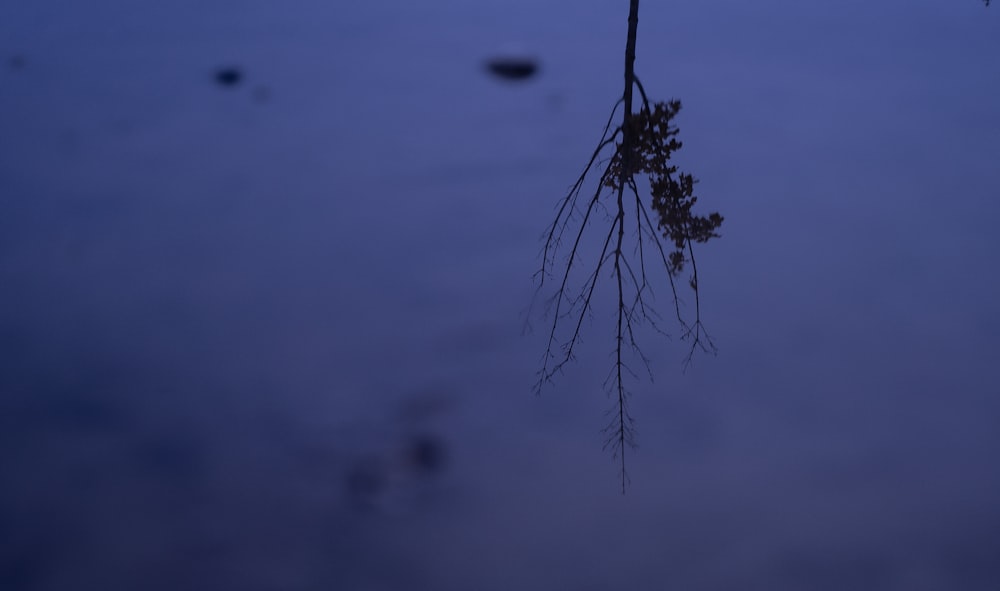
643, 143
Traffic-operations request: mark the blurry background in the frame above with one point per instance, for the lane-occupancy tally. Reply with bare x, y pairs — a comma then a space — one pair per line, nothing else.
263, 331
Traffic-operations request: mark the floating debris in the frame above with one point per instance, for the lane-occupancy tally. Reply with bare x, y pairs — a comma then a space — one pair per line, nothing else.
427, 453
395, 480
512, 67
228, 76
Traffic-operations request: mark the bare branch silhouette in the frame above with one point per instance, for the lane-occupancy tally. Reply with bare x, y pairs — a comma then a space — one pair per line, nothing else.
641, 144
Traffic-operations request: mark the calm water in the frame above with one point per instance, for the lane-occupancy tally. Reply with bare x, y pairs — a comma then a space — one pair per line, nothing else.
269, 336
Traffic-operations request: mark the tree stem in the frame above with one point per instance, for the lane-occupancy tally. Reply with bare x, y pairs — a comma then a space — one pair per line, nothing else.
633, 26
625, 174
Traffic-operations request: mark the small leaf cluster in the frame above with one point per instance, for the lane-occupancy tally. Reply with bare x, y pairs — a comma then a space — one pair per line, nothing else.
653, 140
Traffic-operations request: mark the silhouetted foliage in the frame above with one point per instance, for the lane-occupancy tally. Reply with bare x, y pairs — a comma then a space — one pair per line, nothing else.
641, 145
653, 142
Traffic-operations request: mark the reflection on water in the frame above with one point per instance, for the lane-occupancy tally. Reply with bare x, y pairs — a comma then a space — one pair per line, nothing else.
275, 344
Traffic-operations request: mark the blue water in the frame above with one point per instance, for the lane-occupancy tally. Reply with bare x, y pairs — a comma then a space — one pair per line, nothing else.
271, 335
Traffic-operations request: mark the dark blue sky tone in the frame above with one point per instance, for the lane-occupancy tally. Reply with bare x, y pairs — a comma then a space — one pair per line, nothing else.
236, 320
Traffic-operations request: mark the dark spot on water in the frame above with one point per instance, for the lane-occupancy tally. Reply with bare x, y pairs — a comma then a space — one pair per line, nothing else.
512, 68
427, 453
364, 482
172, 458
16, 62
228, 76
82, 413
21, 568
20, 573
